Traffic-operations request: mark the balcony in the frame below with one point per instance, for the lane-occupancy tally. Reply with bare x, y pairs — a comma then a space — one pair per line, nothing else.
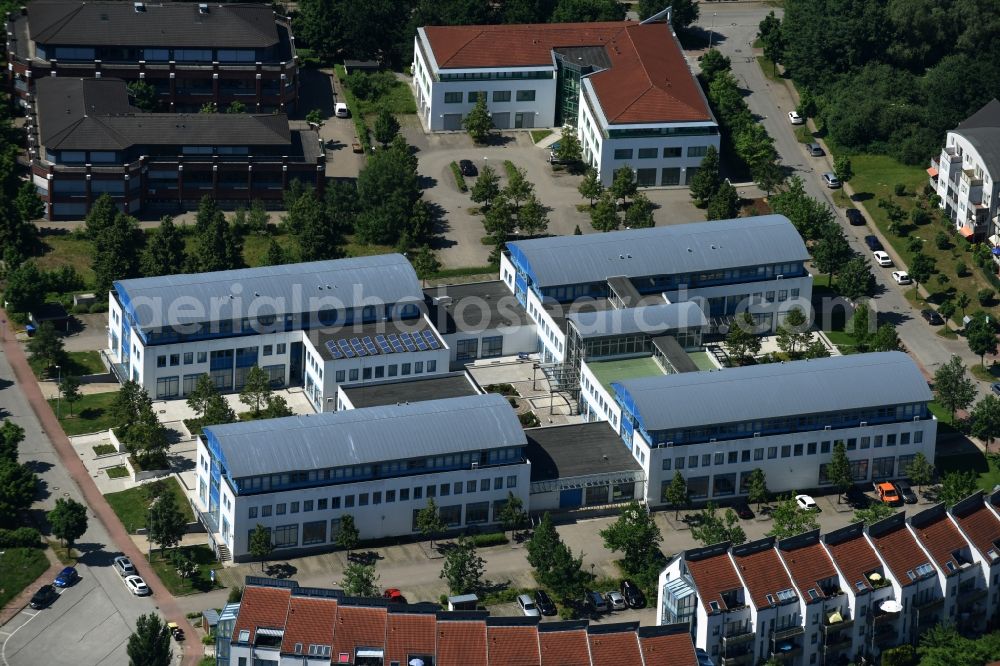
886, 637
737, 660
930, 605
785, 655
788, 633
738, 637
833, 627
837, 642
971, 596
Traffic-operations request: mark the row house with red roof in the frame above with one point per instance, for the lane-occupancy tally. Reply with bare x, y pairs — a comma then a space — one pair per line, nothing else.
625, 86
279, 623
824, 599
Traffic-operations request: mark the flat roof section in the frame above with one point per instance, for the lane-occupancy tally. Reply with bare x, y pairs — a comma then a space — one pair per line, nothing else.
675, 355
620, 370
568, 451
387, 338
476, 306
452, 385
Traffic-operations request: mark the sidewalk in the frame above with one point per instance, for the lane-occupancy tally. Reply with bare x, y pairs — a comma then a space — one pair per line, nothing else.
166, 603
18, 603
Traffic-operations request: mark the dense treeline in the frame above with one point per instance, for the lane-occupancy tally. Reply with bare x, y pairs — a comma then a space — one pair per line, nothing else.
892, 76
384, 29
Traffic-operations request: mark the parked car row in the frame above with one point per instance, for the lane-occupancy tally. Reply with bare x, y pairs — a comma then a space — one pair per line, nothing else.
895, 493
628, 596
134, 582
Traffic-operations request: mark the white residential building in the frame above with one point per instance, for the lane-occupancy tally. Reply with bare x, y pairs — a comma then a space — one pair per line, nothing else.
784, 418
754, 265
966, 174
316, 325
625, 86
298, 476
829, 599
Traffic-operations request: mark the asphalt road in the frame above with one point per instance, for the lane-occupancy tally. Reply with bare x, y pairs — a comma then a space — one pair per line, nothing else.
735, 28
91, 621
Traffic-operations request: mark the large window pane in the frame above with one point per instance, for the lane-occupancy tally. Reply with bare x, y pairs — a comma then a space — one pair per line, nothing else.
314, 532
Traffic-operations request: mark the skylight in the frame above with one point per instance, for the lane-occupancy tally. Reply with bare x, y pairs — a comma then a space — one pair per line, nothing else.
924, 569
786, 595
813, 594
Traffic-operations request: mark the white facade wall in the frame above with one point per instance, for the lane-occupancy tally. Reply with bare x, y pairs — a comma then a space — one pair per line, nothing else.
964, 193
551, 338
774, 297
516, 340
432, 93
322, 377
374, 521
597, 403
599, 150
783, 473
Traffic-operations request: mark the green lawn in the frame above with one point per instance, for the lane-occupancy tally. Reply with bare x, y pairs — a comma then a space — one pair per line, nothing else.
119, 472
538, 135
91, 413
702, 360
104, 449
616, 371
67, 250
398, 101
131, 505
767, 67
986, 467
78, 364
19, 568
875, 177
803, 134
199, 582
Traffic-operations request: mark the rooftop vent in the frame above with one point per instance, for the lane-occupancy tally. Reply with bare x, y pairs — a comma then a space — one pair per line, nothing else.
139, 7
203, 8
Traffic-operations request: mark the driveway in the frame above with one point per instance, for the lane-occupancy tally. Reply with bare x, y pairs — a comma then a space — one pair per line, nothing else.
736, 28
462, 231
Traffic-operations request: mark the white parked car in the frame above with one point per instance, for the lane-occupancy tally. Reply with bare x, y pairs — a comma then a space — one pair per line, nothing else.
882, 258
795, 119
527, 605
341, 110
137, 586
806, 503
901, 277
616, 601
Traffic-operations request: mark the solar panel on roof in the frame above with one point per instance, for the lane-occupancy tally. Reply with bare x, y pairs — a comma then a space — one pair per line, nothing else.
355, 342
384, 346
367, 340
331, 346
421, 344
397, 346
343, 344
410, 346
349, 353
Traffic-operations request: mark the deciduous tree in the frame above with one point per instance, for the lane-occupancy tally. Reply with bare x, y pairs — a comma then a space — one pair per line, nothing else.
981, 336
149, 644
512, 515
115, 254
604, 216
164, 251
788, 520
986, 419
486, 187
706, 180
70, 390
590, 187
624, 184
793, 333
257, 390
711, 528
46, 347
954, 388
569, 150
639, 214
17, 490
360, 580
348, 535
636, 535
260, 545
956, 486
920, 470
386, 127
757, 491
463, 569
742, 339
838, 470
478, 123
11, 436
724, 204
68, 521
425, 263
873, 513
854, 279
167, 524
429, 521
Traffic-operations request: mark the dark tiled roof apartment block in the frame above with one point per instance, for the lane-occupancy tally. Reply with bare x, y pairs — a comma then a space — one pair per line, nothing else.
715, 577
853, 556
760, 568
809, 565
980, 525
648, 79
279, 616
895, 544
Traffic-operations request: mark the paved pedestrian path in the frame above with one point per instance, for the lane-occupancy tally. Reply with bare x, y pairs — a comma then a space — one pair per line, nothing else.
166, 603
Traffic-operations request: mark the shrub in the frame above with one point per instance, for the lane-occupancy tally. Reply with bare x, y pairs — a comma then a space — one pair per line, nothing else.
928, 190
985, 296
22, 537
942, 241
899, 189
489, 539
919, 217
567, 612
513, 402
459, 178
961, 270
528, 420
99, 306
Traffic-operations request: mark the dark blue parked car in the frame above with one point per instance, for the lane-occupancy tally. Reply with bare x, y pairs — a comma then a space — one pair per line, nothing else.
66, 577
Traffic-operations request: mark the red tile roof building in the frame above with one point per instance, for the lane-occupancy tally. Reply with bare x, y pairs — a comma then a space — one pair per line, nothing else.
761, 570
981, 526
281, 619
625, 86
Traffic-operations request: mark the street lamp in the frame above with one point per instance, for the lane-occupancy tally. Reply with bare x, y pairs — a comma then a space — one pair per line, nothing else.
711, 32
59, 392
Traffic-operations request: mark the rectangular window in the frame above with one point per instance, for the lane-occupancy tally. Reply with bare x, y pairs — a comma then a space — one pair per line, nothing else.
268, 350
645, 177
366, 373
890, 439
866, 442
280, 509
445, 489
525, 95
348, 501
404, 494
313, 532
692, 462
484, 485
672, 151
623, 153
161, 361
477, 512
458, 488
390, 496
321, 504
467, 350
798, 450
353, 374
501, 95
406, 369
202, 357
697, 151
418, 367
280, 349
393, 370
175, 359
334, 502
492, 347
786, 451
285, 536
432, 366
252, 513
758, 454
294, 507
377, 497
340, 377
811, 449
470, 486
824, 447
918, 437
670, 176
418, 493
648, 153
474, 95
431, 491
188, 358
453, 98
265, 511
307, 505
363, 499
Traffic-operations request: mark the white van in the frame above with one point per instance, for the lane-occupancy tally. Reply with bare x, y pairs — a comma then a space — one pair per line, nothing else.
341, 110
